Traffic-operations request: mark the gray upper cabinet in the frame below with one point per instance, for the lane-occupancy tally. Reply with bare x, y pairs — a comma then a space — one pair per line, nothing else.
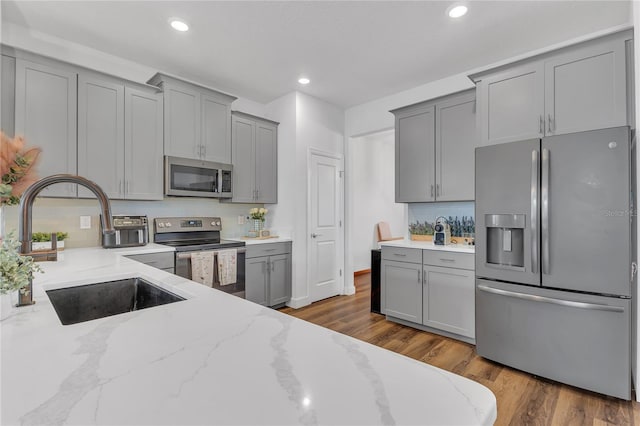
120, 137
45, 114
254, 144
101, 134
243, 157
455, 147
143, 173
577, 88
511, 105
196, 120
415, 149
266, 162
586, 89
435, 143
8, 95
216, 129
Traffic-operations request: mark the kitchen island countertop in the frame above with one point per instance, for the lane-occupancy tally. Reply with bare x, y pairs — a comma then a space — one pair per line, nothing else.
211, 359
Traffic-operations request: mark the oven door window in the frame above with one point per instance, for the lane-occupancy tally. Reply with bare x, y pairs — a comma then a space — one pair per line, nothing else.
187, 178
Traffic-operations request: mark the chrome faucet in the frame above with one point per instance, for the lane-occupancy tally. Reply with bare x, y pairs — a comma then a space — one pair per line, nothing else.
26, 208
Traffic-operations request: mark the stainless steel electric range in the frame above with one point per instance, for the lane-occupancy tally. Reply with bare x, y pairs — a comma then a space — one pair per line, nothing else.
190, 235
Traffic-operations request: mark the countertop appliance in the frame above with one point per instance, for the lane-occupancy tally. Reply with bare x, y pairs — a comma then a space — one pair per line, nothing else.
131, 230
442, 232
190, 235
554, 268
185, 177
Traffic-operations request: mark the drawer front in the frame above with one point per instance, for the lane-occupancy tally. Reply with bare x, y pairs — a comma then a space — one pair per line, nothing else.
402, 254
270, 249
157, 260
449, 259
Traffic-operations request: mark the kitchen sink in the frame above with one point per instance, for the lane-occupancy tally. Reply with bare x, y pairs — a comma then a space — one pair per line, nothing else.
93, 301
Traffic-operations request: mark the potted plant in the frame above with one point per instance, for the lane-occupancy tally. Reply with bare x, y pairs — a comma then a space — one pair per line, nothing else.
16, 273
421, 231
42, 240
258, 216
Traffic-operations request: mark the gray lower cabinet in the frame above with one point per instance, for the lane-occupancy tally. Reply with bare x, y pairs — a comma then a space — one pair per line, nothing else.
45, 114
577, 88
120, 138
449, 300
164, 261
435, 143
197, 120
402, 289
430, 289
254, 144
268, 274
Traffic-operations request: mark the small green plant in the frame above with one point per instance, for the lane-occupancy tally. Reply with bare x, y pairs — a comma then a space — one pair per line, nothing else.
40, 237
16, 271
421, 228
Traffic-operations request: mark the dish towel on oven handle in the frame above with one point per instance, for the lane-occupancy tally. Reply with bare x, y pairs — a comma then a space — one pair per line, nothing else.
227, 266
202, 264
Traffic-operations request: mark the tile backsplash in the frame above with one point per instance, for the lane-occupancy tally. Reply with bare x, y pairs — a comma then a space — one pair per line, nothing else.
57, 214
428, 212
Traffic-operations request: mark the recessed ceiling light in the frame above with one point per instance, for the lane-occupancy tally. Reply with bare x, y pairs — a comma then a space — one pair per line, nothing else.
304, 80
178, 25
457, 11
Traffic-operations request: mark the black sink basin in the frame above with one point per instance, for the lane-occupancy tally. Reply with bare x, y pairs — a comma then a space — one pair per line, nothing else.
93, 301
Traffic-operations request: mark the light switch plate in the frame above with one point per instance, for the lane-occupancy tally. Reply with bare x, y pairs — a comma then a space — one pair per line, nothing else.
241, 220
85, 222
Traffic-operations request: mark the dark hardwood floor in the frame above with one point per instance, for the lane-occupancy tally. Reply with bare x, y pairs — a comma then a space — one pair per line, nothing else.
522, 398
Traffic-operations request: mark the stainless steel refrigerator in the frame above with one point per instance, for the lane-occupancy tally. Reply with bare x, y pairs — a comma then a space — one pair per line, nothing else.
554, 258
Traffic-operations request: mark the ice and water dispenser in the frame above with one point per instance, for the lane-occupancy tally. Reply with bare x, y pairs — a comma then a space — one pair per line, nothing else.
505, 239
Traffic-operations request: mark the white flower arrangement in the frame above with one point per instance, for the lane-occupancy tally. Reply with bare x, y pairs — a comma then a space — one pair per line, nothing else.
258, 213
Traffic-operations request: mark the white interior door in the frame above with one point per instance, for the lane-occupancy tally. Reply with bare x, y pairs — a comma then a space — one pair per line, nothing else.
325, 227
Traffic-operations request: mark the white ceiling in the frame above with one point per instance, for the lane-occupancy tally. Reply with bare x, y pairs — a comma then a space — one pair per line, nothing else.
353, 51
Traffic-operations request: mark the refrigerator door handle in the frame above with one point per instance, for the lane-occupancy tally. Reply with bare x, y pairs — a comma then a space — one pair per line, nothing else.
534, 210
543, 299
544, 192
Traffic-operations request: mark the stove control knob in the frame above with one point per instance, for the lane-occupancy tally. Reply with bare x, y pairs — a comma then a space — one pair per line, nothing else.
218, 223
213, 223
160, 225
168, 224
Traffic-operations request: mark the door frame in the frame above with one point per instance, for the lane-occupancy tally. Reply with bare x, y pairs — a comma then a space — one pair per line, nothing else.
311, 152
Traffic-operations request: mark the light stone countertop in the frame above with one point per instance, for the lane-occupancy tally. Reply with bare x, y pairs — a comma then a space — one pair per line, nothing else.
211, 359
428, 245
253, 241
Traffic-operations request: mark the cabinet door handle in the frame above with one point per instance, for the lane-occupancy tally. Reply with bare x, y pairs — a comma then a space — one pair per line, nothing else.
437, 189
204, 151
400, 254
419, 277
128, 187
432, 190
549, 123
444, 259
121, 186
273, 266
541, 127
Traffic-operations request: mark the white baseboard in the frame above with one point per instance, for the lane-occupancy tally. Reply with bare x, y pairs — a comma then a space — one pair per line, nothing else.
349, 290
299, 303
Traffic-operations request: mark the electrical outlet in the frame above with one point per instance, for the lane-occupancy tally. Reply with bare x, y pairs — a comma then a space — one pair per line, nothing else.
85, 222
241, 220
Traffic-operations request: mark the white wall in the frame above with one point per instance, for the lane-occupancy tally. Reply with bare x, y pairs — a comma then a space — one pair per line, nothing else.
373, 172
306, 123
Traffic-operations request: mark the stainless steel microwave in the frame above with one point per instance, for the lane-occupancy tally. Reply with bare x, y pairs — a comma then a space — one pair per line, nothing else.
185, 177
